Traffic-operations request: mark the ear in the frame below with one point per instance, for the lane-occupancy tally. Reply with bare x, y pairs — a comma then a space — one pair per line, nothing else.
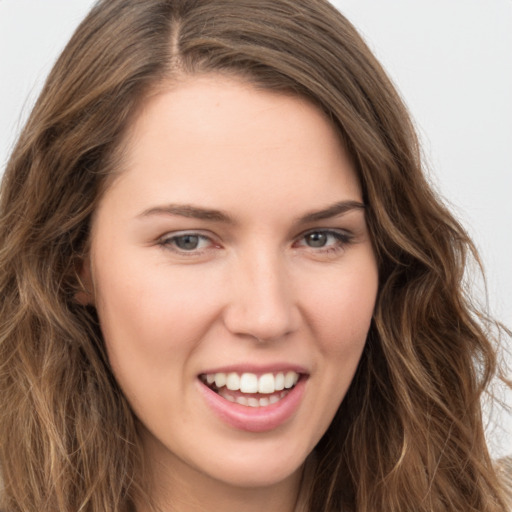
85, 294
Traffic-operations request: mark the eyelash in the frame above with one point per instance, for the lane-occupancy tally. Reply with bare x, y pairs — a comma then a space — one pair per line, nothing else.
341, 239
170, 243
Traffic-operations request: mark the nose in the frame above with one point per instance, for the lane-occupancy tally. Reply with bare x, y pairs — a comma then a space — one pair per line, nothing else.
262, 302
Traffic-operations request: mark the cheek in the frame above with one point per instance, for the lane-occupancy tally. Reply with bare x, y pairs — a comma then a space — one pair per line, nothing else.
153, 309
342, 310
152, 321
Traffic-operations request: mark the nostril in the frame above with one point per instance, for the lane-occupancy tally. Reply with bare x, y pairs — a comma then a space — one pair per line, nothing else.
261, 329
261, 306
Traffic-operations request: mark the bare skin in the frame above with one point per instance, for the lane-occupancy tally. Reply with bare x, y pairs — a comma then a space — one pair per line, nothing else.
233, 242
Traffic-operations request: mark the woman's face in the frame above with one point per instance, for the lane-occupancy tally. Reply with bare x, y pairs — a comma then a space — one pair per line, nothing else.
234, 280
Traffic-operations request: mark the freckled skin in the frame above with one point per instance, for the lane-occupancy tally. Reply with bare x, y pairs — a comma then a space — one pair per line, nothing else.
255, 290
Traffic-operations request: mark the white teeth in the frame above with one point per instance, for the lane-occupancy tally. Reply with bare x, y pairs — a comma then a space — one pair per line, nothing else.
279, 381
290, 380
232, 381
242, 400
220, 379
267, 383
248, 383
253, 402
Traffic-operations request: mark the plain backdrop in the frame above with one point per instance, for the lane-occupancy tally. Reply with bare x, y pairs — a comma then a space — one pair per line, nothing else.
451, 61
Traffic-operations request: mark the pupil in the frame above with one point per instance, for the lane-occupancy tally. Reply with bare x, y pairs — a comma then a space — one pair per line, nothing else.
187, 242
316, 239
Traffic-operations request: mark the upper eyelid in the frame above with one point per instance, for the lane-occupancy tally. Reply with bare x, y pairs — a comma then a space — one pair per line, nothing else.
186, 232
168, 238
340, 231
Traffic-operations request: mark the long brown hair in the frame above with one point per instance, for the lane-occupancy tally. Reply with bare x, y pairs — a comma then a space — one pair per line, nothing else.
408, 435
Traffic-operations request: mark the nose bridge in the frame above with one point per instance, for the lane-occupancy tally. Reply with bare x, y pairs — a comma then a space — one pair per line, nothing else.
262, 303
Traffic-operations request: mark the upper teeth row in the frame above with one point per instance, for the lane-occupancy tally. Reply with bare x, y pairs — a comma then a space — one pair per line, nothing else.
251, 383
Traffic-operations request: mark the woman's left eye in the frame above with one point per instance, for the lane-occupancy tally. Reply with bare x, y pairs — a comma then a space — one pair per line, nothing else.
324, 239
186, 242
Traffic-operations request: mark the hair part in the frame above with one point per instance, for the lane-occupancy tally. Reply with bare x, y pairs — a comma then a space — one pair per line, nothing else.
409, 430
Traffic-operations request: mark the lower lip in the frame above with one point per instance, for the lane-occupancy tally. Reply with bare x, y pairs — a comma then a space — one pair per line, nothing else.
255, 419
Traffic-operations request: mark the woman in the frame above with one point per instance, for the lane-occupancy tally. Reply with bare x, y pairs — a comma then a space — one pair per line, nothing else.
227, 284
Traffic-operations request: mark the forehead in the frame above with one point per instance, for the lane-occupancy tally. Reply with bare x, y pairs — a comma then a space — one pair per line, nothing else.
211, 139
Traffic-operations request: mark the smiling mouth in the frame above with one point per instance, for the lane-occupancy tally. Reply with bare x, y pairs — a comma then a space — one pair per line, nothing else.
250, 389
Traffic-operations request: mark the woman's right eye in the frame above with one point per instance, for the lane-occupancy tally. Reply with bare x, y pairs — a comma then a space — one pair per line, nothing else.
186, 242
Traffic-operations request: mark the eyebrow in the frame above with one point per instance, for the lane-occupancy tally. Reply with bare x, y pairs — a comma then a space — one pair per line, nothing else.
195, 212
334, 210
189, 211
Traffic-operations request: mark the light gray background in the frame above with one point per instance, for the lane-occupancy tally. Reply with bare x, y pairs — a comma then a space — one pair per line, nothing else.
451, 61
